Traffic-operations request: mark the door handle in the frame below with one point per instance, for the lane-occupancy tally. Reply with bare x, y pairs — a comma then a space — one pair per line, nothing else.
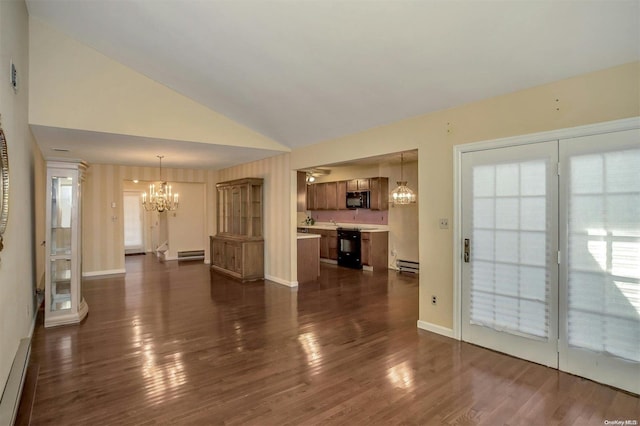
466, 250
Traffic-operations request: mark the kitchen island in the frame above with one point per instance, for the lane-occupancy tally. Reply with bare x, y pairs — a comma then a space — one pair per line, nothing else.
308, 257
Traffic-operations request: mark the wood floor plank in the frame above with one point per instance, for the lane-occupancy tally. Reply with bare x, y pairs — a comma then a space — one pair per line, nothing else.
174, 343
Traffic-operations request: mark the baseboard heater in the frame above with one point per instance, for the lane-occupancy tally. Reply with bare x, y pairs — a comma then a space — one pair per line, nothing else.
191, 255
408, 266
13, 389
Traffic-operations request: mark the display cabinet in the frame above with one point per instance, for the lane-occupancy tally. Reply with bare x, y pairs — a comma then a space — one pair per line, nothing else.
64, 303
237, 249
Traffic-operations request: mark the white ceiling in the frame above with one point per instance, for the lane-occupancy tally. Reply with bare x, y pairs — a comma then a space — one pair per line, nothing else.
108, 148
302, 72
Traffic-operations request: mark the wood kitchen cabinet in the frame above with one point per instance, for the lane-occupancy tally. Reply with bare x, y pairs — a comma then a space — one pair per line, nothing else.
328, 243
358, 185
311, 197
324, 245
308, 258
325, 196
379, 193
331, 194
237, 249
301, 204
374, 249
321, 196
332, 242
341, 188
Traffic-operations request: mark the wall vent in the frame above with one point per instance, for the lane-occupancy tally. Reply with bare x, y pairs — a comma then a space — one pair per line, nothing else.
191, 255
408, 266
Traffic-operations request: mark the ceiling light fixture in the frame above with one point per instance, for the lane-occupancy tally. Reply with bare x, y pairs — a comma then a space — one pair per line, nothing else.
162, 199
312, 174
402, 194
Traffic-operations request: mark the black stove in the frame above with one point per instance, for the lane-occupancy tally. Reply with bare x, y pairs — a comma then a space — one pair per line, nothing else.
349, 248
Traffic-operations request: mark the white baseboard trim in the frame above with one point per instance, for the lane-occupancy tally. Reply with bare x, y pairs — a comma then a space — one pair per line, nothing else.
10, 399
292, 284
435, 328
105, 273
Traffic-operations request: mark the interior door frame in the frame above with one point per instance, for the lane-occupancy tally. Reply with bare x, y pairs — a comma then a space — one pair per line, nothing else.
458, 150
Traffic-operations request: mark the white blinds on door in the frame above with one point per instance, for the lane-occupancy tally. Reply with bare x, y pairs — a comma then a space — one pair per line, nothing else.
604, 253
510, 248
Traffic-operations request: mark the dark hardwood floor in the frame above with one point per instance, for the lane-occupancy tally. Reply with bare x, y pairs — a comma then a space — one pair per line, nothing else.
176, 344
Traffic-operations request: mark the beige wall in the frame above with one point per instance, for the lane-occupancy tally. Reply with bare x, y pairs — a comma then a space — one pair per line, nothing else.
187, 226
403, 220
279, 219
121, 100
102, 228
18, 271
595, 97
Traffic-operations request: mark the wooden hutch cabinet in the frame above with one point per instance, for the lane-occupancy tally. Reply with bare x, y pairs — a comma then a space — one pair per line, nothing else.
237, 249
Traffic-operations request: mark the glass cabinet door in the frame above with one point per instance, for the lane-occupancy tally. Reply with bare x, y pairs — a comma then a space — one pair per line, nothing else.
63, 294
240, 208
60, 246
61, 202
60, 285
256, 211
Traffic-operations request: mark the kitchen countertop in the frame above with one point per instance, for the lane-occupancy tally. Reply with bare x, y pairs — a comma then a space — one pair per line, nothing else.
362, 227
302, 235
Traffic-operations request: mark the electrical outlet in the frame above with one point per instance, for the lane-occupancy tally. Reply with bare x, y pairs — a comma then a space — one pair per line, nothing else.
393, 252
434, 300
444, 223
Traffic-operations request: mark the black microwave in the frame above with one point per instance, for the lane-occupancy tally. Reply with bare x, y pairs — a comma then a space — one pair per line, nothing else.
358, 200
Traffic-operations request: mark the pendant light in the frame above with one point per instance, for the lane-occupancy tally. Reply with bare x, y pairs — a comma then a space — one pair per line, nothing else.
402, 194
163, 199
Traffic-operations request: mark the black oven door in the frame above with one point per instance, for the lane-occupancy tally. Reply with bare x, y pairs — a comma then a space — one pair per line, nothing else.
349, 249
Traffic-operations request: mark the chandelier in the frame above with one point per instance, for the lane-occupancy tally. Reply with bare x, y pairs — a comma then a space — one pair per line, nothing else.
402, 194
162, 199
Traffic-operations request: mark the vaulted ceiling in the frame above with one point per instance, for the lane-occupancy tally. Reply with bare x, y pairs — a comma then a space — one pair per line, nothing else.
300, 72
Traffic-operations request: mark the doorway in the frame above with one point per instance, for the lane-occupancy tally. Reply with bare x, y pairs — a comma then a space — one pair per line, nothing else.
133, 223
550, 259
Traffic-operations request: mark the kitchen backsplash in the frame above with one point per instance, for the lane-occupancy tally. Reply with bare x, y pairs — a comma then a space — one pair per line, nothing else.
374, 217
